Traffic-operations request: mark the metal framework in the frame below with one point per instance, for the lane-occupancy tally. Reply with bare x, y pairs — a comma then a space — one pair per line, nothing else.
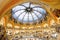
28, 13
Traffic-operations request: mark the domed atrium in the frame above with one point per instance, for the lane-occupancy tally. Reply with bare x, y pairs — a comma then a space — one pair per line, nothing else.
30, 20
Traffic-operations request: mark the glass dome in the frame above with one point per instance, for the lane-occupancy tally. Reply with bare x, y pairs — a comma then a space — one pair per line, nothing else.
28, 13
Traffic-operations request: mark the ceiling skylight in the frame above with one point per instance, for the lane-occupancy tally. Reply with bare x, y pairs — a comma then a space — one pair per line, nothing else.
28, 13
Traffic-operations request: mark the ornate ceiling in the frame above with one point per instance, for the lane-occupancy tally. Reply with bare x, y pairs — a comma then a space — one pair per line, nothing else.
14, 28
7, 3
6, 9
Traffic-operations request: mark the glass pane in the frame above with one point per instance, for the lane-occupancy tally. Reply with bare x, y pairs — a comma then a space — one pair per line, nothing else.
21, 16
19, 13
17, 8
40, 10
34, 16
26, 17
30, 18
38, 14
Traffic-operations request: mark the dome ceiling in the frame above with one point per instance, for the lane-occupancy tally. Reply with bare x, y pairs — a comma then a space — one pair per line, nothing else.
28, 13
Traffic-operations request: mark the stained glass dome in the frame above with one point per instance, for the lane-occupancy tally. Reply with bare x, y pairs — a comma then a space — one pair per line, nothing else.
28, 13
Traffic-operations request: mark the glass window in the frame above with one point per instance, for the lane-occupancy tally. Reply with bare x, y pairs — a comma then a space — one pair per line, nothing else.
28, 12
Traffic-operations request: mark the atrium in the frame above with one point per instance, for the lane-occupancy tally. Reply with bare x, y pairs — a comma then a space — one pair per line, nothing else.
30, 20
